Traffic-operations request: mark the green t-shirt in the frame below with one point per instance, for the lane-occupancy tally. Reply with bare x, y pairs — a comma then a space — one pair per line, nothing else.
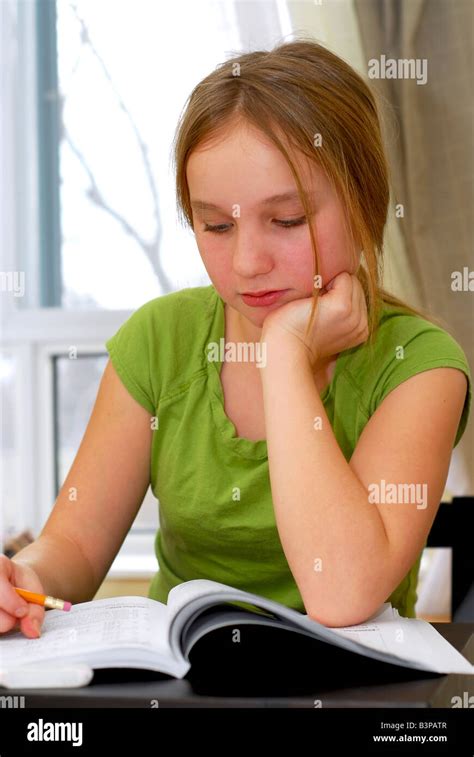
215, 507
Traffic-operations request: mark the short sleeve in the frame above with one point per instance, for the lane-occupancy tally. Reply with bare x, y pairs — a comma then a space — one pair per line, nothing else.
130, 351
431, 347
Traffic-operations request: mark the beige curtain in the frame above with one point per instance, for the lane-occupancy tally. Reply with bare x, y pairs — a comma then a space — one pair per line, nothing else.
432, 159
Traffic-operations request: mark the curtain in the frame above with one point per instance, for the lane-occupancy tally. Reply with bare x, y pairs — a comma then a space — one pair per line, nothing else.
432, 160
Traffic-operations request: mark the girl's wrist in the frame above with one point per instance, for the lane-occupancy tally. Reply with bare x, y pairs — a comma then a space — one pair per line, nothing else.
279, 344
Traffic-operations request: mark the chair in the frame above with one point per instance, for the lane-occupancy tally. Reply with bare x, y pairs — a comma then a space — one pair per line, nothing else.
454, 527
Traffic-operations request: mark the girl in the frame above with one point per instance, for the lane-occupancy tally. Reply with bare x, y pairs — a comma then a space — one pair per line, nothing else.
313, 474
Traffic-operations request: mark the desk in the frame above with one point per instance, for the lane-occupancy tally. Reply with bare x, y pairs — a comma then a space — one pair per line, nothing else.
139, 688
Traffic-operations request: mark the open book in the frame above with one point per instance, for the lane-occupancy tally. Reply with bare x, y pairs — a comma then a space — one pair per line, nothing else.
137, 632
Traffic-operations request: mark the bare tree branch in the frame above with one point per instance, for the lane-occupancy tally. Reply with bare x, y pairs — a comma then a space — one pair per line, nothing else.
150, 248
96, 195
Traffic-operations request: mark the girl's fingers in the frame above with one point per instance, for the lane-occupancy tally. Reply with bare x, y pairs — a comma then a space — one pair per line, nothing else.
31, 625
7, 621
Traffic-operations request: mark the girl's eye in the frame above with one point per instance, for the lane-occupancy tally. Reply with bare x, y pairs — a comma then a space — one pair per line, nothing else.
223, 227
217, 229
293, 222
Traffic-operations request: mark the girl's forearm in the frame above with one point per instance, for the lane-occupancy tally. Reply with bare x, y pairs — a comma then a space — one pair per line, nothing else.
61, 567
334, 539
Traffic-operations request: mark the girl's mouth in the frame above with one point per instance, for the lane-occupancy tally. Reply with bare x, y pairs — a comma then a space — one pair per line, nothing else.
262, 300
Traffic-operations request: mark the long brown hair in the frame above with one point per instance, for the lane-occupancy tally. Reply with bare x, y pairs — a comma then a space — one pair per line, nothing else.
292, 94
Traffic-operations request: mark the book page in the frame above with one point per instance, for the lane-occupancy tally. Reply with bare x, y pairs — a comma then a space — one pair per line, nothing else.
408, 639
103, 625
182, 594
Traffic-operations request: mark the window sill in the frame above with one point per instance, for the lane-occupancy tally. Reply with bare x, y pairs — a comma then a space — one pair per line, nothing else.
133, 566
136, 559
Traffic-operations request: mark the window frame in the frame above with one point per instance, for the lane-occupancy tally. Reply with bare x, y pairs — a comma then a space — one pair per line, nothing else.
48, 130
35, 337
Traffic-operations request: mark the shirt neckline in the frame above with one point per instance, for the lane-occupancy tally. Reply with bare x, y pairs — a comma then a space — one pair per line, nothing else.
248, 448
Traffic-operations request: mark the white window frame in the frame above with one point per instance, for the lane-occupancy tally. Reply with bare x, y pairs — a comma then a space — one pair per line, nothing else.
34, 337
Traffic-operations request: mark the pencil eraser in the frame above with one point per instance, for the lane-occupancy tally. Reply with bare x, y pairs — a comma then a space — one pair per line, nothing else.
67, 606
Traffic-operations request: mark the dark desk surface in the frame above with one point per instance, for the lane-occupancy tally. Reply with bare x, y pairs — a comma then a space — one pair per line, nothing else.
147, 689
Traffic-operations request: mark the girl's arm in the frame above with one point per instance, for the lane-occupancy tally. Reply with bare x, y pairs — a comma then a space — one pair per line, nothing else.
347, 554
99, 499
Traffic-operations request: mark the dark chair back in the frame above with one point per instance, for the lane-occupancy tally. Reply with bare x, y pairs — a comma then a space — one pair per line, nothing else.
454, 527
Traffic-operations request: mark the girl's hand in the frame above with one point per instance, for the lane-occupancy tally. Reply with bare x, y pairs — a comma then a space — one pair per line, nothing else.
32, 617
340, 321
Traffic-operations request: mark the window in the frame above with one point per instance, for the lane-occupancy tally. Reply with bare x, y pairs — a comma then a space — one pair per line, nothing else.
89, 229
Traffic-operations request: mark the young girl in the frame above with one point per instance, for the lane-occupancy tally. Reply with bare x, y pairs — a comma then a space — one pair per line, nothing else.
298, 442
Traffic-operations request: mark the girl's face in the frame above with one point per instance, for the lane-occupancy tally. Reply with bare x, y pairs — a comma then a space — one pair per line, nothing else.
260, 243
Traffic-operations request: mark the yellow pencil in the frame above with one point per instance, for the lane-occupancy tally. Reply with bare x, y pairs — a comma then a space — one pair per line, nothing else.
50, 603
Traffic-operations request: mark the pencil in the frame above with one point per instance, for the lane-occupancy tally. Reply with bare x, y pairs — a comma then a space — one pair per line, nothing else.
50, 603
